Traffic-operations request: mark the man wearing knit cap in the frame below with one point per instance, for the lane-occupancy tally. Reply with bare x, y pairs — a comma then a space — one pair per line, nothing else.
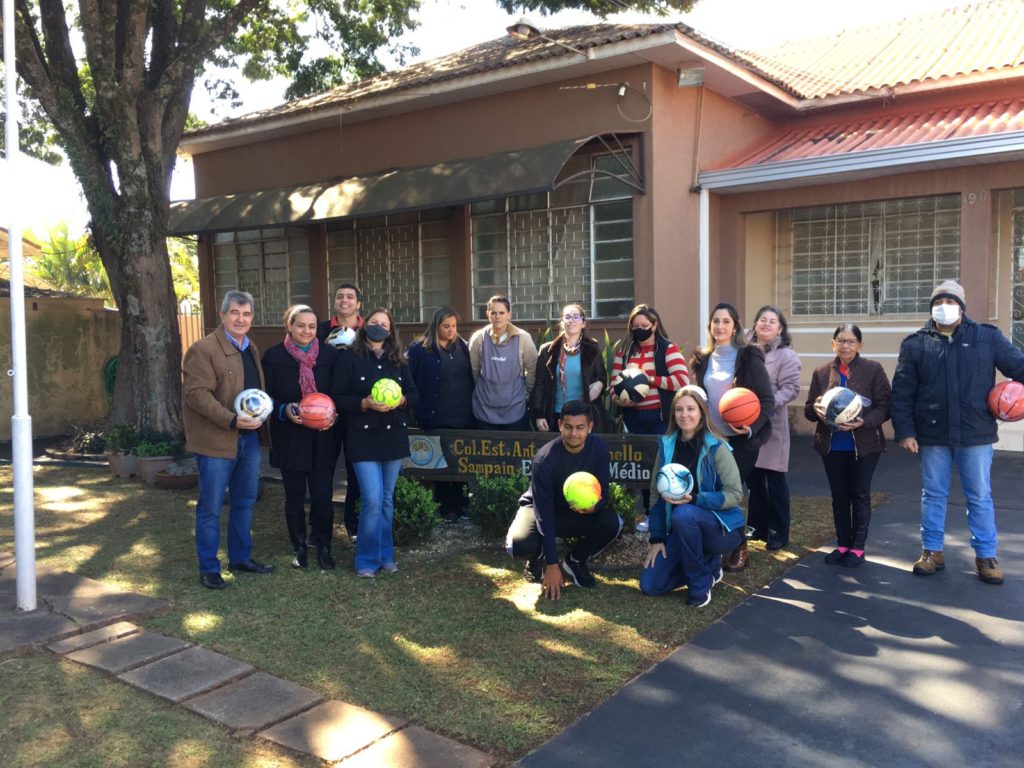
940, 411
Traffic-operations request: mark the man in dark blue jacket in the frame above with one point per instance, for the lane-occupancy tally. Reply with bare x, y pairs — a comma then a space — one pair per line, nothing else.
940, 411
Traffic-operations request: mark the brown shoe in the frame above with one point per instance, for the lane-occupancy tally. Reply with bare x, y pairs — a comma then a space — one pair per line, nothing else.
929, 562
738, 560
989, 570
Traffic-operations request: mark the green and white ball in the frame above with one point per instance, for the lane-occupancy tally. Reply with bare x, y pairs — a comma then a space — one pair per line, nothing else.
386, 392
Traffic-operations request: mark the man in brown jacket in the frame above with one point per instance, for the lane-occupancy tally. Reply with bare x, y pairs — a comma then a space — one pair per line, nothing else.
226, 445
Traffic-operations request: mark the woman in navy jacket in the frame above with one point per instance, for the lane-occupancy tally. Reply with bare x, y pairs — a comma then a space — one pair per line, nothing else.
440, 367
306, 457
376, 435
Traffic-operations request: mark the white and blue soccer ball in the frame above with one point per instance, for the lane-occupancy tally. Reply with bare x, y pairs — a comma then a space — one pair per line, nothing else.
840, 405
674, 481
254, 403
341, 337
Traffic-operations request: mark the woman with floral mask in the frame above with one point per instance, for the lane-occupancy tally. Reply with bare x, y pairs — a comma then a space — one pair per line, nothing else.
376, 434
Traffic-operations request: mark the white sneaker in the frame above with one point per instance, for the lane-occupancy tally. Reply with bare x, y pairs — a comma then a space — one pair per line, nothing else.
644, 525
718, 577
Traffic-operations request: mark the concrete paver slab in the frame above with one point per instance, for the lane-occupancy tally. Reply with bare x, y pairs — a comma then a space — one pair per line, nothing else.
187, 673
23, 630
332, 730
95, 637
6, 558
254, 702
127, 652
416, 747
95, 609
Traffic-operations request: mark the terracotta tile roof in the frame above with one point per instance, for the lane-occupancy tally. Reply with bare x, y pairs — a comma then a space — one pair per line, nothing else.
862, 134
976, 38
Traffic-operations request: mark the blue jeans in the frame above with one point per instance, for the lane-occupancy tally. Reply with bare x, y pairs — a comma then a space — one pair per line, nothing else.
242, 475
375, 546
975, 467
693, 552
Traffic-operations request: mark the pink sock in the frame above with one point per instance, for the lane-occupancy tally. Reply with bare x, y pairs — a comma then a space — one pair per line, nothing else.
844, 550
858, 552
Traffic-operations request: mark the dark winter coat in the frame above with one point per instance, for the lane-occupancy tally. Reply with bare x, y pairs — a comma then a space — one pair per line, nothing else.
294, 447
372, 435
425, 366
592, 368
867, 378
940, 389
752, 374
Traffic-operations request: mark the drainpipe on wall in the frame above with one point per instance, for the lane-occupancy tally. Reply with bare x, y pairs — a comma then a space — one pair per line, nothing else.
704, 258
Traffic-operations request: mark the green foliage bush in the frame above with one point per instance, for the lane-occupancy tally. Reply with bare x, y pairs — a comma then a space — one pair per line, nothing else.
121, 437
494, 501
415, 512
159, 444
623, 502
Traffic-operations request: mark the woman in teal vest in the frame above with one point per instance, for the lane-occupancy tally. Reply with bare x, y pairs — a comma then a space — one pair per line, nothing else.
689, 536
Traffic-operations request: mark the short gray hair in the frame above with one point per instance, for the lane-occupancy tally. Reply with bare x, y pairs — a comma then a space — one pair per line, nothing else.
236, 297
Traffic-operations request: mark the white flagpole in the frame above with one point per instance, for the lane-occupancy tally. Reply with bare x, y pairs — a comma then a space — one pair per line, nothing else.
21, 422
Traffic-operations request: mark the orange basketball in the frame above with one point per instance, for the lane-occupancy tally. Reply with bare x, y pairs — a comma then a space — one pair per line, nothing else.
1006, 401
739, 407
317, 410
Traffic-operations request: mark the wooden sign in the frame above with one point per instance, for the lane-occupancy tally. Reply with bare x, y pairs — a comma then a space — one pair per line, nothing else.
463, 454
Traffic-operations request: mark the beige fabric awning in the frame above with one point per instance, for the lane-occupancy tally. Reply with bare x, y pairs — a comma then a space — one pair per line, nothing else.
455, 182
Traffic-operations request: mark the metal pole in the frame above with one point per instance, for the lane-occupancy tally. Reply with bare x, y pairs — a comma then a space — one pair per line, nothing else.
704, 261
21, 422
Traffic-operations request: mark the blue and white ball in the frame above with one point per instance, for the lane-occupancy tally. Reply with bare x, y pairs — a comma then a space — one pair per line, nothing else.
674, 482
254, 403
840, 405
339, 338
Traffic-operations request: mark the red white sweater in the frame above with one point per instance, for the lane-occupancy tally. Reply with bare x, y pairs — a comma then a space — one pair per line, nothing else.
678, 375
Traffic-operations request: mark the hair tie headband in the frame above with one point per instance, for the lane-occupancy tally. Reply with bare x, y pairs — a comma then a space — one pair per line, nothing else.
693, 389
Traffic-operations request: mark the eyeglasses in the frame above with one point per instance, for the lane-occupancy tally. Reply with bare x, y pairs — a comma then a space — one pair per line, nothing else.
846, 342
573, 318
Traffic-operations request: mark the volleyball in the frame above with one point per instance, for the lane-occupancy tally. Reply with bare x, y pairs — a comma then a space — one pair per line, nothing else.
631, 385
317, 410
254, 403
386, 392
582, 490
739, 407
674, 481
840, 405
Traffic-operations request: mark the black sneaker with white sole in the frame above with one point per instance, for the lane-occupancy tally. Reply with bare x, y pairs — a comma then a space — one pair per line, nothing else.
534, 570
578, 571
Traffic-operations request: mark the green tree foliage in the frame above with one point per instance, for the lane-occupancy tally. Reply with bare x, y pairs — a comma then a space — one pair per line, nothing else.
70, 264
184, 271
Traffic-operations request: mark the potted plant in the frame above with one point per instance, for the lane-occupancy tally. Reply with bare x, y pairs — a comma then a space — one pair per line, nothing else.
155, 453
181, 474
121, 442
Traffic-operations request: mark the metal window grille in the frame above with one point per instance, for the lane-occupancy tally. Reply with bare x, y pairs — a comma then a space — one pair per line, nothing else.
1017, 246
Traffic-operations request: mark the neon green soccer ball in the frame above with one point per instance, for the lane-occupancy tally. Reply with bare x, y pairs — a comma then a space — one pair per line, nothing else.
386, 392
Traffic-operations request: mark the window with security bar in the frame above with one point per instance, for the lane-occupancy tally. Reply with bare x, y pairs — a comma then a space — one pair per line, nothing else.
271, 263
1017, 245
872, 258
574, 244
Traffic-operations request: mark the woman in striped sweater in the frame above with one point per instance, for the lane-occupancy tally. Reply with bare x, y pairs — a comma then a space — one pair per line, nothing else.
647, 347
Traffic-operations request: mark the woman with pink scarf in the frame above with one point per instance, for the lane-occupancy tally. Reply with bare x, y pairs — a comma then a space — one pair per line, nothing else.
293, 369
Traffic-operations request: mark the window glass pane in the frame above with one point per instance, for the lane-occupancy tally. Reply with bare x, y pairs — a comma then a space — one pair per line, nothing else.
618, 211
605, 187
536, 201
487, 206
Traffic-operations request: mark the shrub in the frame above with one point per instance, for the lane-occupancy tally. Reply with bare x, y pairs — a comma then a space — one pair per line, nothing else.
494, 501
623, 502
121, 437
415, 512
83, 441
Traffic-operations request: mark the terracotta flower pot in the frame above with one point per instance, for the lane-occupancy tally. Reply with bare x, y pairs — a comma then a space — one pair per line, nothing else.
175, 482
150, 466
123, 464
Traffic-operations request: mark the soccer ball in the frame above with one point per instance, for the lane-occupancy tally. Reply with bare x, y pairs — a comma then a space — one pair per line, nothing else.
675, 481
840, 406
582, 491
254, 403
631, 385
341, 337
387, 392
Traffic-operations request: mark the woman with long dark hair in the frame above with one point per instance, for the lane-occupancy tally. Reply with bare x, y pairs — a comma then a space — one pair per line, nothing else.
376, 434
297, 367
690, 535
727, 361
440, 367
768, 508
850, 452
569, 367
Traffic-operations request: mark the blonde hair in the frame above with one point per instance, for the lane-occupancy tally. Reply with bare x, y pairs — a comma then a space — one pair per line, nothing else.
294, 311
699, 396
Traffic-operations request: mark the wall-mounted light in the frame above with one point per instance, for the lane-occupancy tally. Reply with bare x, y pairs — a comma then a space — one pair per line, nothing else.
524, 30
690, 76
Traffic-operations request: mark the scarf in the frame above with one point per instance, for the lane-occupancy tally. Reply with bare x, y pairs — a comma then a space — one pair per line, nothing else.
567, 350
306, 361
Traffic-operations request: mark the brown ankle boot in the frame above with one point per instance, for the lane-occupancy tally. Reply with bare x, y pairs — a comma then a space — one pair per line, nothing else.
738, 559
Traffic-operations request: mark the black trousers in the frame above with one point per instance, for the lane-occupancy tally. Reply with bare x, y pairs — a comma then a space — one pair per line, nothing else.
351, 498
849, 478
768, 506
745, 456
594, 532
321, 509
450, 494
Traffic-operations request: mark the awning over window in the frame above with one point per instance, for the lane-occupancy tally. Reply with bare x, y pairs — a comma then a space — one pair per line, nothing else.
455, 182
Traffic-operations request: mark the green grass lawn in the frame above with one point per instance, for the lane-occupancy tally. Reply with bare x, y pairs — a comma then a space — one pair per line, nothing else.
459, 644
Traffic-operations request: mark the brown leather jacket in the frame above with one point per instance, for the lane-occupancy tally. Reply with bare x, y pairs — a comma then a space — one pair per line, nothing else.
213, 378
866, 378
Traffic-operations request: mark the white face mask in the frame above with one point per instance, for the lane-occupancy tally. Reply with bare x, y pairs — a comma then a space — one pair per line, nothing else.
946, 314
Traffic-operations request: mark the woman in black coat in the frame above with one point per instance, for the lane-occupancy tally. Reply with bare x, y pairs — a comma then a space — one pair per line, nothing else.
376, 434
306, 457
440, 367
569, 367
728, 361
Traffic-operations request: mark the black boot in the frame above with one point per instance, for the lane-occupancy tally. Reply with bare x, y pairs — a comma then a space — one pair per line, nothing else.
324, 559
301, 559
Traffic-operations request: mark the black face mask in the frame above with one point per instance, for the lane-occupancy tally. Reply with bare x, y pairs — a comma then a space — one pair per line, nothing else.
376, 332
642, 334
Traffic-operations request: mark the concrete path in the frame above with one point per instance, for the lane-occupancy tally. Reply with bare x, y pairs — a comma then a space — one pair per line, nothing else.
841, 667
